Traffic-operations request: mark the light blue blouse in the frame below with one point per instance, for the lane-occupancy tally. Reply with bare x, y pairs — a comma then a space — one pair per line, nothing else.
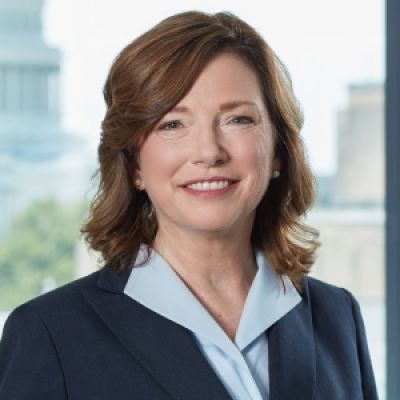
241, 365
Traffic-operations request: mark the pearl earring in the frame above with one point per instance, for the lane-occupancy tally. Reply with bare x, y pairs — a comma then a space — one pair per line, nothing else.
138, 182
151, 211
276, 174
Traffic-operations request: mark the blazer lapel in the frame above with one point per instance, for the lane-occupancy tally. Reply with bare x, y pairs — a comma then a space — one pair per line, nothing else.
165, 349
292, 354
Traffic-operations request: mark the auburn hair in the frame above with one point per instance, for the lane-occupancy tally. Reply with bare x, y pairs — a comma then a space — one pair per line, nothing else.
147, 79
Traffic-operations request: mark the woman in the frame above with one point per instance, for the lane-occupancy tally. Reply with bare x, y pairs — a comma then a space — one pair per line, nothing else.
205, 293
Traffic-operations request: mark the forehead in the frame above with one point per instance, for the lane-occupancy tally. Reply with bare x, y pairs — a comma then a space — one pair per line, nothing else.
226, 78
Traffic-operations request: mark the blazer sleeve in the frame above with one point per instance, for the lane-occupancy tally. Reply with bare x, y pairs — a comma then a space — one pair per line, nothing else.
29, 366
367, 374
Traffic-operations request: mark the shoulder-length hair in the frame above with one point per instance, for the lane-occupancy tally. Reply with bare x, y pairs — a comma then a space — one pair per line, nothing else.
147, 79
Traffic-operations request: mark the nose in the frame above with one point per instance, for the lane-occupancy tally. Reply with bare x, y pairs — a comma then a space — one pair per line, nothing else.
208, 147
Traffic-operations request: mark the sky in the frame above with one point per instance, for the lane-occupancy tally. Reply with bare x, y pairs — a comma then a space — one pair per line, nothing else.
325, 45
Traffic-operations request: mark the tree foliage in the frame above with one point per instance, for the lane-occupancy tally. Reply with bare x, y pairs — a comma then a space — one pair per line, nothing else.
38, 251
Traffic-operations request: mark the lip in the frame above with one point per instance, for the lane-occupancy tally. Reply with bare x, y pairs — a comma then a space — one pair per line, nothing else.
209, 179
214, 193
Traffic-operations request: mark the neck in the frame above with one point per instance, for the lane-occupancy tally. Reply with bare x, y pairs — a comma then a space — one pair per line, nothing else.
205, 263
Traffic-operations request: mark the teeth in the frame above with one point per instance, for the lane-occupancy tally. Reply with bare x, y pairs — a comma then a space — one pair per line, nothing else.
215, 185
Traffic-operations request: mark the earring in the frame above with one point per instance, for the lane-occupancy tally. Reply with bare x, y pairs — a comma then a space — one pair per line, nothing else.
137, 183
151, 211
276, 174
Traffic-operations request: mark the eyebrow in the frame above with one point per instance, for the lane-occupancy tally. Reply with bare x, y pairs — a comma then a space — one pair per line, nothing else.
230, 105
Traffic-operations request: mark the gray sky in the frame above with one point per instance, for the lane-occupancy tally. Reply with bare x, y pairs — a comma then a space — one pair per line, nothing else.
325, 44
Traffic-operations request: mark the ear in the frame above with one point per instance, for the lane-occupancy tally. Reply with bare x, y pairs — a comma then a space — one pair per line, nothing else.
137, 174
138, 182
138, 179
276, 164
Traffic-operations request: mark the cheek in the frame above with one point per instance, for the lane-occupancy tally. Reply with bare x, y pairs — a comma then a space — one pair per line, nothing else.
261, 165
158, 162
260, 156
265, 156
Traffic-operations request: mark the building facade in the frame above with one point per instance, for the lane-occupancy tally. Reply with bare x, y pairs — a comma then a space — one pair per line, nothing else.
350, 212
37, 157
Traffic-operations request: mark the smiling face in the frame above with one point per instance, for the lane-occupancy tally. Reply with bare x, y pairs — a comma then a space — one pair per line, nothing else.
207, 163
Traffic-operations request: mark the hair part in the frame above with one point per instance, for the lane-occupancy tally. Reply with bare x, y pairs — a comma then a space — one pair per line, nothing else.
147, 79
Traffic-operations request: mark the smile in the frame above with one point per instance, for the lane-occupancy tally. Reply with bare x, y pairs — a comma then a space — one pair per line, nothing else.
203, 186
210, 189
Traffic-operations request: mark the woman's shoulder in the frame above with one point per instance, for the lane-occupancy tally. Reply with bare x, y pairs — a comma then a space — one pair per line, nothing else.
70, 303
57, 302
316, 288
328, 301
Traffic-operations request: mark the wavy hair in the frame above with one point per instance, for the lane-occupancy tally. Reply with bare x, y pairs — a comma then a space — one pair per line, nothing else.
147, 79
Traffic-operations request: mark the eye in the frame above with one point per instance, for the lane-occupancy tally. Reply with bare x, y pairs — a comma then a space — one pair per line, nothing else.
242, 120
170, 125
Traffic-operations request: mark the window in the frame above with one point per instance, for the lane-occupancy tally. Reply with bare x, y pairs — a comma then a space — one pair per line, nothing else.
335, 54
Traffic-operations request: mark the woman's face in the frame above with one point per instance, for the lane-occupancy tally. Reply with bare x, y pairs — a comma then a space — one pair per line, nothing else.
208, 162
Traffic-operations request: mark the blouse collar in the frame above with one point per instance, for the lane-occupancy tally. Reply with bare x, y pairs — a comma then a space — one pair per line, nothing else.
156, 286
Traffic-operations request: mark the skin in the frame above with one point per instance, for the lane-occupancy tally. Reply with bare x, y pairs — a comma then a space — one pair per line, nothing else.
207, 240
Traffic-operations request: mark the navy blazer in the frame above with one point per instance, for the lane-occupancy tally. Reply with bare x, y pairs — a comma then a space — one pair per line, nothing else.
88, 340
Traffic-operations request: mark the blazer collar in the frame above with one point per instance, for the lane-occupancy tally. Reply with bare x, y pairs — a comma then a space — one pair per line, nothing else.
291, 353
173, 358
113, 281
166, 350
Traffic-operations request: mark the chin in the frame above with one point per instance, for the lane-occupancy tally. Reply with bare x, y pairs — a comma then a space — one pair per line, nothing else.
211, 226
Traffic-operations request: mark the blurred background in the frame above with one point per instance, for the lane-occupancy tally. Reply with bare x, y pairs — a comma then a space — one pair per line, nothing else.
54, 58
